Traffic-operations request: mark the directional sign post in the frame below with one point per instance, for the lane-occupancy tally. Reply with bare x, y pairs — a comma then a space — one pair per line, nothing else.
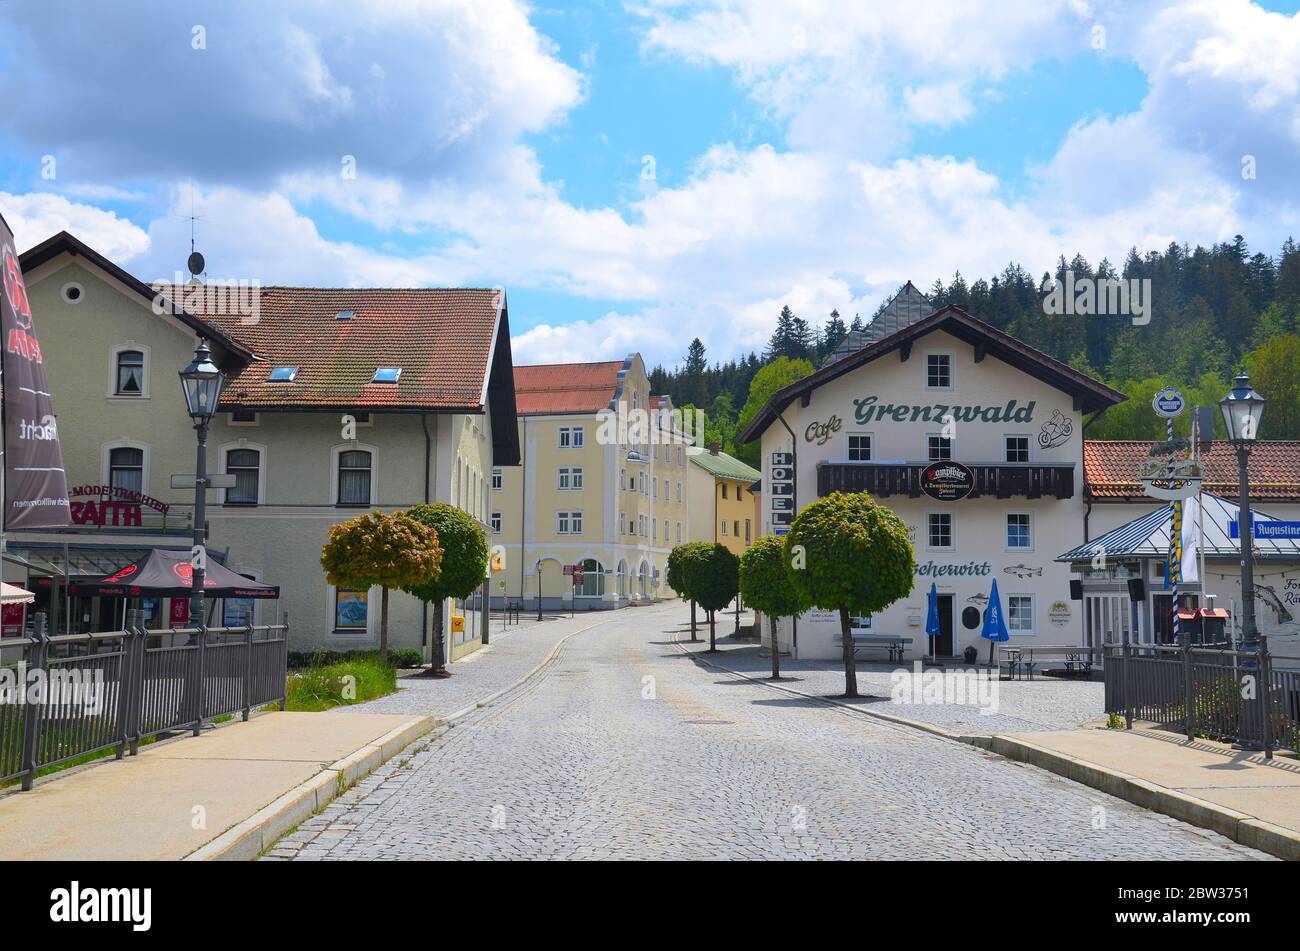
1268, 530
219, 480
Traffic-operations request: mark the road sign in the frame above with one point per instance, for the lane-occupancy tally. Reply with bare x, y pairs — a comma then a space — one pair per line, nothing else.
570, 569
1268, 529
1168, 403
577, 579
218, 480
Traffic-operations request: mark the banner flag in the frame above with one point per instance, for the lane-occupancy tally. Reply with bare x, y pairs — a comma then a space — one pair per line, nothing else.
35, 485
1191, 553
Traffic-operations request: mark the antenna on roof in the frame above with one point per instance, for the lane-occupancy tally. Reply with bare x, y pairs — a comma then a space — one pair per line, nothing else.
195, 262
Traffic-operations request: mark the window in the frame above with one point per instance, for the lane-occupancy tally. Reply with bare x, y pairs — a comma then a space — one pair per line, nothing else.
859, 447
724, 526
1017, 448
387, 375
860, 622
938, 371
640, 526
622, 479
569, 478
245, 466
130, 373
126, 469
667, 494
724, 490
940, 534
665, 531
679, 533
1019, 532
740, 493
593, 579
282, 375
354, 477
1020, 613
641, 482
939, 447
498, 479
747, 531
654, 530
735, 528
350, 608
243, 417
568, 523
623, 524
570, 437
496, 523
654, 488
679, 493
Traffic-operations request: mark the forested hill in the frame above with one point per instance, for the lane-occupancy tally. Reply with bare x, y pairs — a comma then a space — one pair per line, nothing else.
1212, 310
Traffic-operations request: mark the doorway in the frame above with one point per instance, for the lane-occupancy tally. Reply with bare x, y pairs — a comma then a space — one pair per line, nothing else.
943, 643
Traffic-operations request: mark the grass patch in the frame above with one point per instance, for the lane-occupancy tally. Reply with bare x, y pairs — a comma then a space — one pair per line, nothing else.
353, 681
75, 761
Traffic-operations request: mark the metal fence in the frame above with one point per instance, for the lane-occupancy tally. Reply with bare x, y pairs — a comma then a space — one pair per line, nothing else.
71, 695
1220, 693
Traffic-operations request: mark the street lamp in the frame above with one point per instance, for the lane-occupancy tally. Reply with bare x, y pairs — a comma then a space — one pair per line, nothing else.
1242, 410
202, 382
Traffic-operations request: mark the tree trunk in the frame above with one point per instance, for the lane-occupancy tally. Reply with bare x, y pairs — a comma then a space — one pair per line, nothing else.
383, 626
712, 630
776, 651
693, 637
850, 667
439, 638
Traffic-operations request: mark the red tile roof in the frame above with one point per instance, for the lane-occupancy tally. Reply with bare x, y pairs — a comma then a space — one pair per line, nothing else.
1110, 469
440, 338
565, 387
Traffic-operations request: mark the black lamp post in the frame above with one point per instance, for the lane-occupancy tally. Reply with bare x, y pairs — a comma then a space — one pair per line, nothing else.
202, 382
1242, 410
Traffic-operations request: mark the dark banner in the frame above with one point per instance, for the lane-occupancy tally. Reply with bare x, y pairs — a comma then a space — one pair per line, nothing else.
35, 486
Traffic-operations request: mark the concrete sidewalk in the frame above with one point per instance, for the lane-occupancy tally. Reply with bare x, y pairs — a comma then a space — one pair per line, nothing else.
1238, 794
229, 793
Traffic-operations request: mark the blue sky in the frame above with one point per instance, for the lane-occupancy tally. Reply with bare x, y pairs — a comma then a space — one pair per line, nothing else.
638, 174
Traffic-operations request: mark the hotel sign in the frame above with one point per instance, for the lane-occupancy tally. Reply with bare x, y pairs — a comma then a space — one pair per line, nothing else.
947, 481
780, 483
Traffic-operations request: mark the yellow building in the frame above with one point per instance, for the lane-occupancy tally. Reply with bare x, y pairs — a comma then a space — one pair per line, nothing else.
723, 509
601, 485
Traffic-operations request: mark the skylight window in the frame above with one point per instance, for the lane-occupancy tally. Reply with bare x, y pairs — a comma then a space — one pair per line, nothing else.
283, 374
387, 375
345, 314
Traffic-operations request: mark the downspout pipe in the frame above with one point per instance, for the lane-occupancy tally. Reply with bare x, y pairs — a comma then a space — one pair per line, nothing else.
428, 448
1087, 488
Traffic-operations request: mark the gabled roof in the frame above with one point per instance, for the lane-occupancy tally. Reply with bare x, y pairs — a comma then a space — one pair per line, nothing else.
566, 388
906, 307
1089, 394
65, 243
1148, 536
1111, 470
722, 466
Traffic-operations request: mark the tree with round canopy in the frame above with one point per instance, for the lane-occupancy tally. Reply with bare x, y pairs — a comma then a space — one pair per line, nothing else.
713, 579
677, 576
767, 585
464, 566
851, 555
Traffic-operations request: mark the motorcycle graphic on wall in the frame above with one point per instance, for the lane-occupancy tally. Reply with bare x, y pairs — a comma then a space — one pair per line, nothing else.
1056, 430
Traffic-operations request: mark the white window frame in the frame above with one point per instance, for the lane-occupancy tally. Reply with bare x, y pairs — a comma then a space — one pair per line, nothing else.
952, 531
231, 421
106, 456
1033, 613
725, 526
952, 447
679, 493
1006, 448
261, 450
571, 437
498, 479
952, 371
568, 522
1006, 531
494, 520
568, 479
147, 356
871, 446
334, 472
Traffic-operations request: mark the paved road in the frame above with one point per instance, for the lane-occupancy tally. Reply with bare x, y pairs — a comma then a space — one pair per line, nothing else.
590, 759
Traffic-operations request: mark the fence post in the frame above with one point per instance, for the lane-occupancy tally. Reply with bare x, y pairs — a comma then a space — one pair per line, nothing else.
1124, 681
201, 700
248, 668
31, 711
1265, 693
129, 674
1189, 706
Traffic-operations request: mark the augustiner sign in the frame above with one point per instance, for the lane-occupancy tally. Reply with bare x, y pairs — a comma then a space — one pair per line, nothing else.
869, 409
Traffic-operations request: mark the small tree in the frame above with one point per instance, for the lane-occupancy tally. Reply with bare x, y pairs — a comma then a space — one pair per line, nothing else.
391, 551
767, 585
850, 554
677, 576
713, 578
464, 566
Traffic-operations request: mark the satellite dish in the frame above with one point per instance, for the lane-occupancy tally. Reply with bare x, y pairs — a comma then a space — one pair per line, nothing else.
195, 263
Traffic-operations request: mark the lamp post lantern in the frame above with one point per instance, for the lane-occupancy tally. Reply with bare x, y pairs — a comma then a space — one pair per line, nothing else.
1242, 410
201, 382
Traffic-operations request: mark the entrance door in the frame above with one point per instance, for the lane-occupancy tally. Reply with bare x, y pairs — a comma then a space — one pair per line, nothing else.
943, 643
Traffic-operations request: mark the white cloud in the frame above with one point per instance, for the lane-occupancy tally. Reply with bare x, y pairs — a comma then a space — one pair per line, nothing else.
940, 104
36, 216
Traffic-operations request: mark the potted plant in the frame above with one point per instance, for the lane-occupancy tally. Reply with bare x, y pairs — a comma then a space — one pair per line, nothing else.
970, 654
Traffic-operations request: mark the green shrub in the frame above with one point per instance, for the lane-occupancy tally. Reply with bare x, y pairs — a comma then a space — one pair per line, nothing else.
332, 685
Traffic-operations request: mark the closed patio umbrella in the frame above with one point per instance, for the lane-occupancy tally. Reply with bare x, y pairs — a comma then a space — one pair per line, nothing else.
995, 625
932, 620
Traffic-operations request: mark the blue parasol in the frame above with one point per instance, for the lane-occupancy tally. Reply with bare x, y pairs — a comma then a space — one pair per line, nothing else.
932, 618
995, 625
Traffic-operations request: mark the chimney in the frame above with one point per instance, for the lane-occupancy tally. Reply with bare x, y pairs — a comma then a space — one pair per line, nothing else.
713, 448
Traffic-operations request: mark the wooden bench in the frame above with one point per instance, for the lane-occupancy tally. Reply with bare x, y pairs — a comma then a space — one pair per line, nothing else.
896, 646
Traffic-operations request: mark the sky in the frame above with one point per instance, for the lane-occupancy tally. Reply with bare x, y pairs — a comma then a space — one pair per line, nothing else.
636, 174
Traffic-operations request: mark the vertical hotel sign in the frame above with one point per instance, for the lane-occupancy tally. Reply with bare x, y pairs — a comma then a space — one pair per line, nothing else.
35, 486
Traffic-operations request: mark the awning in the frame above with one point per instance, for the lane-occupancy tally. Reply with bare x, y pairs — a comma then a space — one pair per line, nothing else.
12, 594
167, 574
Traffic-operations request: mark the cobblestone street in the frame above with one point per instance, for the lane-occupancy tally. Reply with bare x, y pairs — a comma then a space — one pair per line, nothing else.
624, 747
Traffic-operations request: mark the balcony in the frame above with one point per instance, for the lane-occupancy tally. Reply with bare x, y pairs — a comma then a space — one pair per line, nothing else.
999, 480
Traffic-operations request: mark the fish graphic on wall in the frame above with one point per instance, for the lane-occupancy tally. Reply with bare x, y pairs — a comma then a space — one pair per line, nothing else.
1268, 595
980, 599
1024, 571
